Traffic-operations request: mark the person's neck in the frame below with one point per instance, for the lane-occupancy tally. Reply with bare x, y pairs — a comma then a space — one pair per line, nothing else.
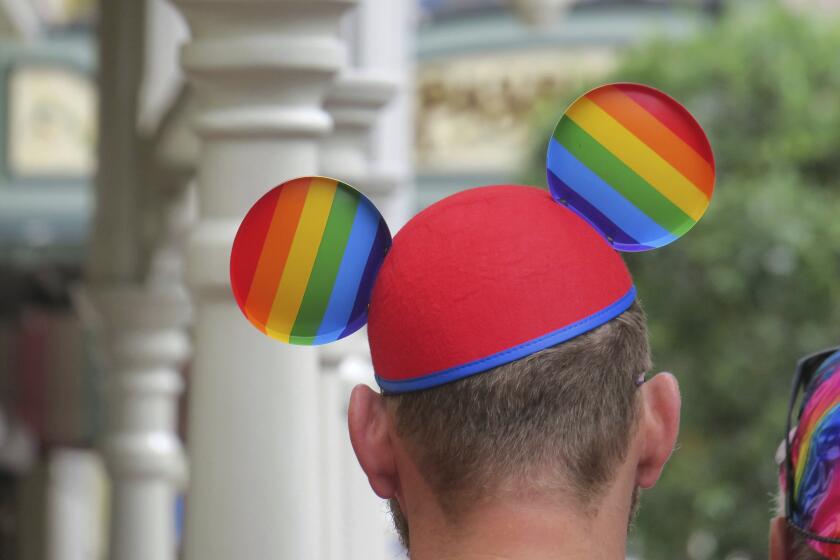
526, 530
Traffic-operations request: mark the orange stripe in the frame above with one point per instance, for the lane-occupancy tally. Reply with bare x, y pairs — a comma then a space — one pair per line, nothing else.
657, 136
302, 254
278, 240
639, 157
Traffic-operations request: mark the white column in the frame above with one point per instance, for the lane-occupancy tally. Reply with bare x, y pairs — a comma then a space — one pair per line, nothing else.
384, 41
115, 247
354, 516
142, 331
74, 496
356, 526
333, 439
355, 103
369, 150
141, 336
259, 71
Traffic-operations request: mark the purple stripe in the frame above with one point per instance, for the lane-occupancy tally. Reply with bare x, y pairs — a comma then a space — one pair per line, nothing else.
588, 212
374, 261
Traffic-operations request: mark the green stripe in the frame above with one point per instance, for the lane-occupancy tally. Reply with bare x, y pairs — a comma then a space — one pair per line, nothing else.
302, 340
620, 177
327, 261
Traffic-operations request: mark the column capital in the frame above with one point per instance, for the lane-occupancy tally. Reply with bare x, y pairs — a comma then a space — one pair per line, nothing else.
357, 97
260, 66
143, 333
153, 455
306, 21
260, 70
355, 102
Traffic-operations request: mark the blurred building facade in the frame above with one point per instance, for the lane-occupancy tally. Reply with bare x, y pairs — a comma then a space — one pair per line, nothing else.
128, 159
483, 67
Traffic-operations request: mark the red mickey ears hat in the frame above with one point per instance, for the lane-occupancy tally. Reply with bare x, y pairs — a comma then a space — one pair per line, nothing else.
488, 275
485, 277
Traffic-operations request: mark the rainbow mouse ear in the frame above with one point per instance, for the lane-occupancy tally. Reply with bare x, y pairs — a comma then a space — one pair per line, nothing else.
304, 260
634, 163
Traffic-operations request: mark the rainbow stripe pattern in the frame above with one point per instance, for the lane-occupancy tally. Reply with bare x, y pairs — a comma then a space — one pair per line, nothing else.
634, 163
304, 260
816, 458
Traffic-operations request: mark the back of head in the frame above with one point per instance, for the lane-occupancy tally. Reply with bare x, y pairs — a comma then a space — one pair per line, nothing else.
505, 334
558, 421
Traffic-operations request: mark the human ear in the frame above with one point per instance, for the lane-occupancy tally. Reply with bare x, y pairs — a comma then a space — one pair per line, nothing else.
659, 426
778, 538
369, 423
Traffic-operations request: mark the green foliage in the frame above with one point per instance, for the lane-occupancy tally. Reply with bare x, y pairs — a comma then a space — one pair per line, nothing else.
757, 283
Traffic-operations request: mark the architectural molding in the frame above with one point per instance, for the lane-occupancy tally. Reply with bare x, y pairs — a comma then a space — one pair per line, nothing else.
258, 72
141, 331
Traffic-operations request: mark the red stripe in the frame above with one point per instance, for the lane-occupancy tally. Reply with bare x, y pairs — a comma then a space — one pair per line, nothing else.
248, 244
275, 250
658, 137
673, 115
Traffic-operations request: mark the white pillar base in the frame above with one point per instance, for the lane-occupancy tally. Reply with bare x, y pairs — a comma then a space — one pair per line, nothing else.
142, 331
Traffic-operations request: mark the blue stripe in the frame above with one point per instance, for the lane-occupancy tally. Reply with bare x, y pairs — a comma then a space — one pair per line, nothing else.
359, 315
511, 354
350, 272
601, 195
568, 196
813, 482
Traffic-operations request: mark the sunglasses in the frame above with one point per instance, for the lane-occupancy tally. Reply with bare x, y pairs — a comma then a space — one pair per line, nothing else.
805, 369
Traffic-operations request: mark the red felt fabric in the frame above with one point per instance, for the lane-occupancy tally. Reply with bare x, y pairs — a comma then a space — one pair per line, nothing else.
482, 271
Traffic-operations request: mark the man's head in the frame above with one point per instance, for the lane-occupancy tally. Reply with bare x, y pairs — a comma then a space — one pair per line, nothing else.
562, 426
505, 335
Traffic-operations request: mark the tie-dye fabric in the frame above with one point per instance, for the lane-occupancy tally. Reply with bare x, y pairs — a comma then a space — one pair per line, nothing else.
815, 453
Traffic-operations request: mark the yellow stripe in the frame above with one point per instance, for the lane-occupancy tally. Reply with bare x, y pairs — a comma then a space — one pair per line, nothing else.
639, 157
805, 446
304, 249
